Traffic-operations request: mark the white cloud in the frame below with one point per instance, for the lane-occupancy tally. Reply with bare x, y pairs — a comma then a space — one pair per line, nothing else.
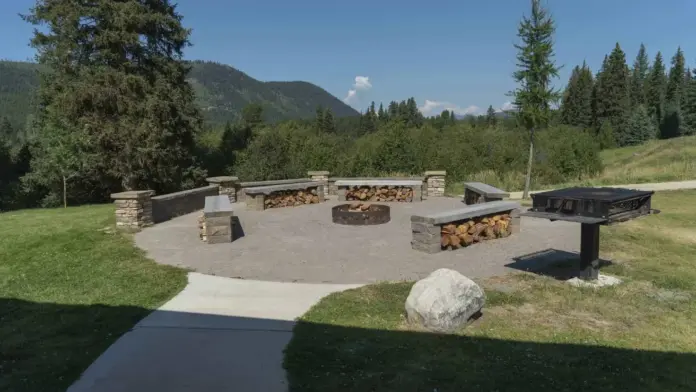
431, 108
506, 106
361, 83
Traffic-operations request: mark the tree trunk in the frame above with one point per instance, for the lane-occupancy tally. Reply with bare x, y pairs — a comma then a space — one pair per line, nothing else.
65, 192
528, 180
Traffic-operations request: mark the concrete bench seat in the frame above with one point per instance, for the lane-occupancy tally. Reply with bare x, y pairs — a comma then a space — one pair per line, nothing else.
478, 192
262, 197
416, 186
216, 224
427, 230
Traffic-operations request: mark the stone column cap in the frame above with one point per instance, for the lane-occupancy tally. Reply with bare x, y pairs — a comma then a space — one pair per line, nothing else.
435, 173
128, 195
318, 173
221, 179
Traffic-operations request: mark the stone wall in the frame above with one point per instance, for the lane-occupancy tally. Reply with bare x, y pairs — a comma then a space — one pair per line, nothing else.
133, 209
166, 207
227, 185
435, 182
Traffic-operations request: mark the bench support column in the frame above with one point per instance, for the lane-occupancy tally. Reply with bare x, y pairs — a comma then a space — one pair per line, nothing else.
589, 251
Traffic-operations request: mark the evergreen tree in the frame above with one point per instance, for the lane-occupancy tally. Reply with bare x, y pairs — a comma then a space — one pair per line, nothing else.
672, 124
536, 68
640, 128
381, 114
490, 116
675, 82
598, 98
689, 107
655, 90
329, 123
639, 75
252, 115
7, 133
605, 136
615, 94
319, 119
453, 117
393, 110
114, 89
576, 106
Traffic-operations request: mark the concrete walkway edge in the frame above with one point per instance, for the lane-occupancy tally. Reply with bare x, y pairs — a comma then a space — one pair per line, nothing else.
218, 334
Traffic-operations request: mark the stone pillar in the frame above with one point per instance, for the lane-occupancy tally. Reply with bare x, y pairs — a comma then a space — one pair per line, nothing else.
227, 185
435, 180
322, 177
133, 209
515, 220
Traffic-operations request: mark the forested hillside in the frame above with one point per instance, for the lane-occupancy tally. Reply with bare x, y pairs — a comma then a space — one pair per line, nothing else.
221, 91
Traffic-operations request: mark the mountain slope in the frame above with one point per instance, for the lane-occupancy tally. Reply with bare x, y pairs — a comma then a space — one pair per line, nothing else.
222, 92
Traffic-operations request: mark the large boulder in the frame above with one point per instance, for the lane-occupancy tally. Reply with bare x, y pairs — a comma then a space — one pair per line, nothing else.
444, 301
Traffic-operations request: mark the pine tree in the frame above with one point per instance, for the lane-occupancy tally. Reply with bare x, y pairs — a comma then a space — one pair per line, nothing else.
114, 91
490, 116
319, 119
598, 97
7, 133
689, 108
655, 90
673, 123
576, 106
615, 93
381, 114
568, 108
640, 128
639, 75
393, 110
605, 136
329, 124
675, 82
536, 68
252, 115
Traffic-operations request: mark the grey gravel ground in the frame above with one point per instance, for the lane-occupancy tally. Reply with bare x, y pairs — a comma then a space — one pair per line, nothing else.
302, 244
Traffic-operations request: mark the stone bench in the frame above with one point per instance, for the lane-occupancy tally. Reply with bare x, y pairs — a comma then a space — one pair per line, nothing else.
244, 186
478, 192
284, 195
380, 190
464, 226
216, 223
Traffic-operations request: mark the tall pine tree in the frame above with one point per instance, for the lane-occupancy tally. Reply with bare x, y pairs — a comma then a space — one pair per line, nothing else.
490, 116
114, 91
535, 70
689, 107
576, 106
615, 103
675, 81
639, 75
655, 90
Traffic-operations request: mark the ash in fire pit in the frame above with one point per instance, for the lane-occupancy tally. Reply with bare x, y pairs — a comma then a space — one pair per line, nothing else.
360, 214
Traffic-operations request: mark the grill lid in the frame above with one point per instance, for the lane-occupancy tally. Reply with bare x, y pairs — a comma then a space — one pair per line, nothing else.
599, 194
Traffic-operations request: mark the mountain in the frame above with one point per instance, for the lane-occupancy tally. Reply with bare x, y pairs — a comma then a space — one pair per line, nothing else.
222, 92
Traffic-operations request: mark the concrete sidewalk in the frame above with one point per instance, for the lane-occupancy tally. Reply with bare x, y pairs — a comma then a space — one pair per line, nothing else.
657, 186
218, 334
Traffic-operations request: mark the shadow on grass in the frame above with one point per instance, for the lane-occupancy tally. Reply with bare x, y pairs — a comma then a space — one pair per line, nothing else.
179, 351
558, 264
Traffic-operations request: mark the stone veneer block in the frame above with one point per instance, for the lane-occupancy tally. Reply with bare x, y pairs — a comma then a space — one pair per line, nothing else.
426, 229
133, 209
435, 182
322, 177
218, 214
227, 185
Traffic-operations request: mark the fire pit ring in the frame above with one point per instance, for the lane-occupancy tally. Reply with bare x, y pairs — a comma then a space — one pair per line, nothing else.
361, 214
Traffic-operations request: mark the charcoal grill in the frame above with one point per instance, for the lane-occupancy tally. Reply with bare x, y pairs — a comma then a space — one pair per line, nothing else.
592, 208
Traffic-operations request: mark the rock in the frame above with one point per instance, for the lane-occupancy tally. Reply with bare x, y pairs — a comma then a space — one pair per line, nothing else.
444, 301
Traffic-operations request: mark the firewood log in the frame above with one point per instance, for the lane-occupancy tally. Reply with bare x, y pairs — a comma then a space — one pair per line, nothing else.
444, 241
455, 241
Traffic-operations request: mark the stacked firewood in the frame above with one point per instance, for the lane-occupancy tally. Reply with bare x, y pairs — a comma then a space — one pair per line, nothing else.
201, 228
359, 207
456, 235
291, 198
384, 193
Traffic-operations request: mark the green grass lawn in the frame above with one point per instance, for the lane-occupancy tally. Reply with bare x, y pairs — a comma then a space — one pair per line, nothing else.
70, 285
654, 161
536, 333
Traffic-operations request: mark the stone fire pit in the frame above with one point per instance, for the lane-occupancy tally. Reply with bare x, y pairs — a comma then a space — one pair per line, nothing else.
360, 214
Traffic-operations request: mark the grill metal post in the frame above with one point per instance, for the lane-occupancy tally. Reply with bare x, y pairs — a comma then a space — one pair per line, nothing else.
589, 251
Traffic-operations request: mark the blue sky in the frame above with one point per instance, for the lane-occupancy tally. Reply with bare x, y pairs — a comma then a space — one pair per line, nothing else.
453, 53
